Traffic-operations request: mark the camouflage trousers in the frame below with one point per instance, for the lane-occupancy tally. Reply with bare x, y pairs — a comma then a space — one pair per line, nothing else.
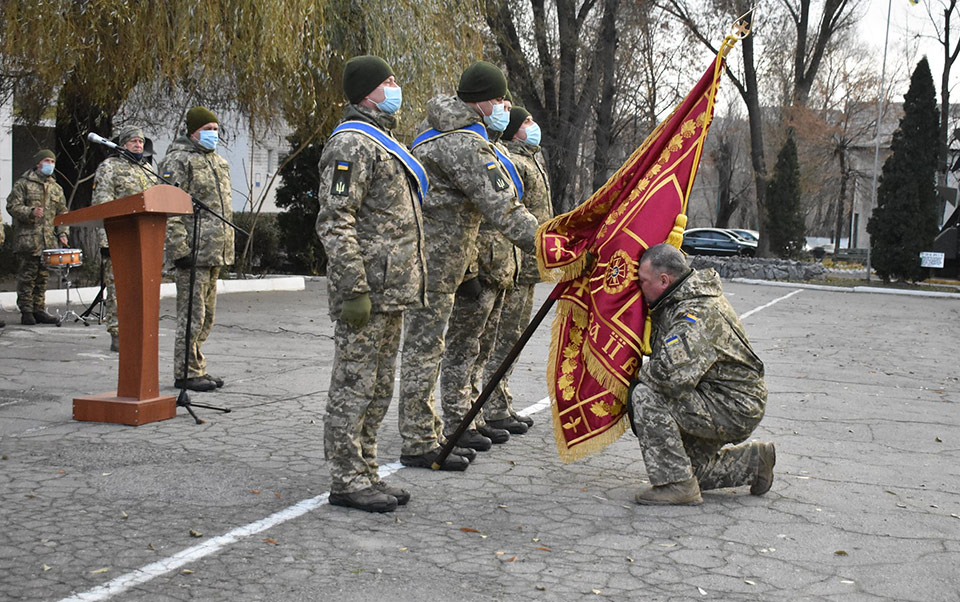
471, 335
110, 298
31, 283
685, 437
517, 307
423, 344
204, 309
361, 387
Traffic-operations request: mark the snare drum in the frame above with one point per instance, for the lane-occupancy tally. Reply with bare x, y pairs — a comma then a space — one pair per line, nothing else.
62, 257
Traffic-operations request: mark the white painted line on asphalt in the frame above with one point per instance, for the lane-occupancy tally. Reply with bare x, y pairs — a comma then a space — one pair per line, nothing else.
211, 546
214, 545
746, 315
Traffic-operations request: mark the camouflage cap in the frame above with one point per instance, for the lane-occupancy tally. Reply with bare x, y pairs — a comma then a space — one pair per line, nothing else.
131, 131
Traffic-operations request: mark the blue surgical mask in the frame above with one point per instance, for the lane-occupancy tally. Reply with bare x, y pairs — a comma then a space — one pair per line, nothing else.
209, 139
533, 135
47, 169
498, 119
393, 98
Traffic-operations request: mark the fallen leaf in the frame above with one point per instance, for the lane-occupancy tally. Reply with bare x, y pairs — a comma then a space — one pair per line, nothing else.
541, 588
106, 474
511, 559
597, 592
535, 539
469, 530
123, 514
483, 537
748, 582
196, 533
629, 559
31, 495
901, 505
187, 571
584, 489
840, 553
501, 505
150, 545
45, 568
668, 545
255, 491
890, 492
403, 549
61, 472
103, 570
500, 553
847, 581
545, 549
702, 591
276, 495
955, 516
270, 540
938, 440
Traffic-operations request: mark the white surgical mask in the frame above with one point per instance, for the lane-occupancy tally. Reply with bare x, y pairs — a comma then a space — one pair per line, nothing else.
392, 99
533, 135
209, 139
498, 119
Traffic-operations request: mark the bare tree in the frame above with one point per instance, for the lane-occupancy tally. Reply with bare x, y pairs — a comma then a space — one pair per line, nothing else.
941, 20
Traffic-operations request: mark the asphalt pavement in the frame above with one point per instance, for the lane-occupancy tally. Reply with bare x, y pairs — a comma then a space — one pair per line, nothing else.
863, 407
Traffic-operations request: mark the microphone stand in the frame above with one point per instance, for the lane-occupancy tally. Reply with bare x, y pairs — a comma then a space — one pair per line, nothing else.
183, 400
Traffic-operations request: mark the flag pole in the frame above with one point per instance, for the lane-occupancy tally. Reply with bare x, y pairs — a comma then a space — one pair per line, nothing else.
499, 374
876, 150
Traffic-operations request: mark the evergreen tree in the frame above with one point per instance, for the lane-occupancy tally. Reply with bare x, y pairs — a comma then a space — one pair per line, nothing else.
297, 196
785, 228
904, 223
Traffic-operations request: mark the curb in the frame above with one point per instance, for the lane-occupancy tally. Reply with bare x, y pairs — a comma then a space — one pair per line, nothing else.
8, 301
843, 289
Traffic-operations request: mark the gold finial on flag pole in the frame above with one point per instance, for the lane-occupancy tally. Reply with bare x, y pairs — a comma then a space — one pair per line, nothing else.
740, 29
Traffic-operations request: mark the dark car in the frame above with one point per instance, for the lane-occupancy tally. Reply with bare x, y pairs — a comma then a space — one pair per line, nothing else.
715, 241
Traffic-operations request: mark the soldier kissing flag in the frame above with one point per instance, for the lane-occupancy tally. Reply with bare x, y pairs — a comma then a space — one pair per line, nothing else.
598, 333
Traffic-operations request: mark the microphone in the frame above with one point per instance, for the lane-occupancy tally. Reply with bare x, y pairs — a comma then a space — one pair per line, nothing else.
101, 140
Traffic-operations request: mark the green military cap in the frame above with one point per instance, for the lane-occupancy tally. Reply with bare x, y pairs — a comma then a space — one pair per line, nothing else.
362, 75
517, 116
482, 81
197, 117
42, 154
132, 131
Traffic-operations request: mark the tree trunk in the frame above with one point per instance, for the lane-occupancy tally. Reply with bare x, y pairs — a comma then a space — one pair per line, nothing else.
841, 198
751, 96
603, 134
724, 159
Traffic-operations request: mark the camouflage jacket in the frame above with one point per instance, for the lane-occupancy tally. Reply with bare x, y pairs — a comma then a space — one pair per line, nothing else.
114, 179
462, 190
204, 175
536, 197
34, 234
498, 260
699, 343
369, 220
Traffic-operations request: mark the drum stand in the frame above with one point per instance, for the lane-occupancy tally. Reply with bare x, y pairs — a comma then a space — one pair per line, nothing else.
64, 274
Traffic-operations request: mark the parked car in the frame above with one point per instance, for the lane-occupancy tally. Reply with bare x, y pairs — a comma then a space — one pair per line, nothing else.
751, 235
716, 241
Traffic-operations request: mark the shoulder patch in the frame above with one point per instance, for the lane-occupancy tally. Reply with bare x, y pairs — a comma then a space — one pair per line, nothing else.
167, 174
691, 318
496, 176
341, 179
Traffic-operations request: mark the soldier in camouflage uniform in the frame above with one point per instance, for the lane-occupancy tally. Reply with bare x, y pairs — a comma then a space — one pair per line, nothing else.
701, 388
522, 139
465, 185
34, 201
116, 178
372, 230
192, 163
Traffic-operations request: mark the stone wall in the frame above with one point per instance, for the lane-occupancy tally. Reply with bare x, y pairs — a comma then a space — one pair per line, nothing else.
762, 269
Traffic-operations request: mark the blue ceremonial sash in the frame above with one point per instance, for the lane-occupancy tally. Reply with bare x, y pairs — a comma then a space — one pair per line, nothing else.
393, 147
479, 130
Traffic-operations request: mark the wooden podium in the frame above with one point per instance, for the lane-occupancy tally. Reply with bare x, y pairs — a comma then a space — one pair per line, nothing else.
136, 228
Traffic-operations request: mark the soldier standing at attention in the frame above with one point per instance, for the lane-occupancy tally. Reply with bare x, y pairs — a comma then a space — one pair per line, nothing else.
467, 183
370, 225
522, 139
701, 388
34, 201
116, 178
193, 164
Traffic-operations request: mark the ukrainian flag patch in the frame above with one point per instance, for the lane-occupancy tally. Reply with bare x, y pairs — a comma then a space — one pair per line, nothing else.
672, 340
691, 318
167, 174
497, 178
341, 179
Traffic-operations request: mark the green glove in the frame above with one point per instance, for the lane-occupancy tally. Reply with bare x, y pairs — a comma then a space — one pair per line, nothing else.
356, 311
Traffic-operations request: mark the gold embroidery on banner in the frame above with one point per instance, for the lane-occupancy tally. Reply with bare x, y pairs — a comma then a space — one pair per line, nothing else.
620, 272
602, 409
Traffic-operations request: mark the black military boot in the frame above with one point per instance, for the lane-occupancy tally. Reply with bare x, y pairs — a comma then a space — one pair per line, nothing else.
474, 440
453, 461
197, 383
524, 419
494, 434
216, 380
42, 317
402, 496
466, 452
27, 319
369, 500
509, 424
